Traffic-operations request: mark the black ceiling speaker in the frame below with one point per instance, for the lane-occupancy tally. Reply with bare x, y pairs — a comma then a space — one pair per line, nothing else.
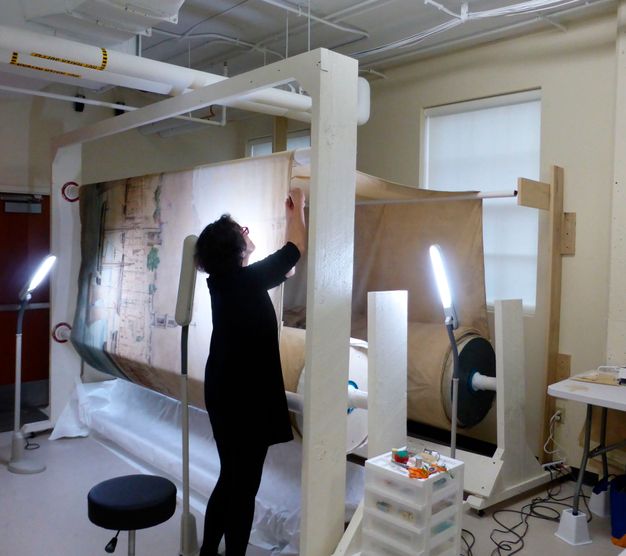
79, 106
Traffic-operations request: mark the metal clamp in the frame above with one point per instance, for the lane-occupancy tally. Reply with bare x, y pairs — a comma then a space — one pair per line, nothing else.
61, 332
64, 189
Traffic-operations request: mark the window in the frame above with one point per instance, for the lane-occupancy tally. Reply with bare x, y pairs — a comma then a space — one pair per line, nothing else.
295, 140
486, 145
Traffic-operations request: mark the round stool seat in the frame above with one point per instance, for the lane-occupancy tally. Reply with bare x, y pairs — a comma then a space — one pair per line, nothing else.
131, 502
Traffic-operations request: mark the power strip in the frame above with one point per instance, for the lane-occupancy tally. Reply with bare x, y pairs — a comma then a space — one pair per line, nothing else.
554, 465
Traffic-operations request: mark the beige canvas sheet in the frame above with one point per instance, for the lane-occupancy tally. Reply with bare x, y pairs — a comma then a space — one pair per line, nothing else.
391, 253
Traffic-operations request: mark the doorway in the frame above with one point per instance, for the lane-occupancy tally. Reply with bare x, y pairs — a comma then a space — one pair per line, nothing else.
25, 233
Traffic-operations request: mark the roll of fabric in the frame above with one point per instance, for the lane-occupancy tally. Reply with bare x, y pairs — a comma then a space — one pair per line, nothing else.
292, 355
429, 372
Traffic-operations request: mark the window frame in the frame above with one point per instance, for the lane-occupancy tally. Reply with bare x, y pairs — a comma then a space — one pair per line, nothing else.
464, 106
250, 143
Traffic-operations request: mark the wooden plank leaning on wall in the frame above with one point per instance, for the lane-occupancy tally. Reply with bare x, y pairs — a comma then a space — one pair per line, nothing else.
561, 242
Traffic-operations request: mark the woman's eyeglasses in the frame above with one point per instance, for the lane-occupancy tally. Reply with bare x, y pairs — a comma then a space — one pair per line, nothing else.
245, 231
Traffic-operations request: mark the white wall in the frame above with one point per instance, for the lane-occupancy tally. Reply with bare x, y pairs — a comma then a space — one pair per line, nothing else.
576, 74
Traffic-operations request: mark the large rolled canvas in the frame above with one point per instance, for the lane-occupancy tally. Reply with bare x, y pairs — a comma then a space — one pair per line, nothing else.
391, 252
132, 232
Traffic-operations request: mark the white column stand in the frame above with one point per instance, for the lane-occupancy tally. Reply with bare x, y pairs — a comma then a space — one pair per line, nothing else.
65, 364
387, 371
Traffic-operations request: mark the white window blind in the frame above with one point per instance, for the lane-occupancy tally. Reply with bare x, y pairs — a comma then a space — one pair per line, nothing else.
295, 140
486, 145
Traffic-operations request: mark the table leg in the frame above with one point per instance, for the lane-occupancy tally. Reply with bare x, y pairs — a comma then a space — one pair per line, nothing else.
605, 463
583, 463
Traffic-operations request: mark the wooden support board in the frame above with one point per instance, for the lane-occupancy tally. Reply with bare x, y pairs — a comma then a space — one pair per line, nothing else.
554, 310
531, 193
279, 137
568, 233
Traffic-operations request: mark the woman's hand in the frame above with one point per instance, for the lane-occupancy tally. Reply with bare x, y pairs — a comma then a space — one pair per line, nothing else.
295, 201
296, 228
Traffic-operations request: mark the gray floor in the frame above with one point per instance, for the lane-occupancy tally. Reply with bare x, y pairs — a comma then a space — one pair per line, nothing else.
46, 514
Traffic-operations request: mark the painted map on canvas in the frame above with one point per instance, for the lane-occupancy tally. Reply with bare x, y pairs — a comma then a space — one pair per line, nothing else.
132, 232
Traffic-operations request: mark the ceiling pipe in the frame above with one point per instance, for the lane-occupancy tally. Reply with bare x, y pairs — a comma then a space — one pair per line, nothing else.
55, 56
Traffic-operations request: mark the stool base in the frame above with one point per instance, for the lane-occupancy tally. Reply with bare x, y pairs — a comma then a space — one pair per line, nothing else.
131, 543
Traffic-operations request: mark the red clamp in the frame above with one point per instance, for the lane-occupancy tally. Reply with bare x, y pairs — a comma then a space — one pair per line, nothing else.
64, 189
61, 332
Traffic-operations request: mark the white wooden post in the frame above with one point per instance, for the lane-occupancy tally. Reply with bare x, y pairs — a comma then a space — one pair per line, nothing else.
331, 245
511, 386
65, 244
387, 371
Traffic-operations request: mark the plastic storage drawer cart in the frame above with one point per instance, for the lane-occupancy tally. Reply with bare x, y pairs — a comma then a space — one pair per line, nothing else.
412, 517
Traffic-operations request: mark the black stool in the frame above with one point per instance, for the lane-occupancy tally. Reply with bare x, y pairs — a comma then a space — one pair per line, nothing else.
129, 503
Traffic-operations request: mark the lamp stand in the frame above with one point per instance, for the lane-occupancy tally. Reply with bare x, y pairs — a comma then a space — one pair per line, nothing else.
455, 387
188, 534
18, 462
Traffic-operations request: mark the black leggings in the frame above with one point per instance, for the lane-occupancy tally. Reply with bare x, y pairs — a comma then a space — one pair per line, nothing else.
230, 510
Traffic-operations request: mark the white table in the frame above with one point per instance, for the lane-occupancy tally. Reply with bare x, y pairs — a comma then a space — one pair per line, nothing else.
599, 395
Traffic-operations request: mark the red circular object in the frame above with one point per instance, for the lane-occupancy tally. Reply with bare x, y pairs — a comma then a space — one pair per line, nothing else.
55, 330
64, 189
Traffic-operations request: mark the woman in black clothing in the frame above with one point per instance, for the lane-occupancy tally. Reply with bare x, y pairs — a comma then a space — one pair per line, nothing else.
243, 383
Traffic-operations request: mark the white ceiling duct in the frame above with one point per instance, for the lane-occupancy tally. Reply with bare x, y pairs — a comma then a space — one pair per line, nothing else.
115, 19
53, 57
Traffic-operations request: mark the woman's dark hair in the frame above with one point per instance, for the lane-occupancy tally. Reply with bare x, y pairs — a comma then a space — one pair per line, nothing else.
220, 247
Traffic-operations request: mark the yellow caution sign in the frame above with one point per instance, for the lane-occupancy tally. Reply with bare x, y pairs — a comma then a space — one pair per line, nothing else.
15, 62
101, 67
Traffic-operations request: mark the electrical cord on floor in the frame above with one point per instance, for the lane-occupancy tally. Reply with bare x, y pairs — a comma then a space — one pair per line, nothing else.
30, 445
468, 544
510, 538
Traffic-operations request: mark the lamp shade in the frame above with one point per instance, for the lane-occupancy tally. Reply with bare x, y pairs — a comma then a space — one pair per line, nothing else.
42, 271
443, 284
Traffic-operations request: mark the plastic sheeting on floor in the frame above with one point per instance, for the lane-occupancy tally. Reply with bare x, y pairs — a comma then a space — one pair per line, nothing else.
147, 425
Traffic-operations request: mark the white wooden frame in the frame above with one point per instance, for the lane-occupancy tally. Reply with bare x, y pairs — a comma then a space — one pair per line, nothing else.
331, 80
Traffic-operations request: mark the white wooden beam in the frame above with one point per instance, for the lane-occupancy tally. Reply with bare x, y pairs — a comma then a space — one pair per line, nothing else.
331, 243
238, 87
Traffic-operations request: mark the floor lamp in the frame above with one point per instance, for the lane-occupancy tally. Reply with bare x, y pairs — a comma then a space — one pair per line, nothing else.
18, 463
452, 323
184, 314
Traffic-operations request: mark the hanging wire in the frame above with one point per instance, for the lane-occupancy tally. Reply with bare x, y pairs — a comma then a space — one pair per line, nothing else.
551, 438
309, 27
521, 8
